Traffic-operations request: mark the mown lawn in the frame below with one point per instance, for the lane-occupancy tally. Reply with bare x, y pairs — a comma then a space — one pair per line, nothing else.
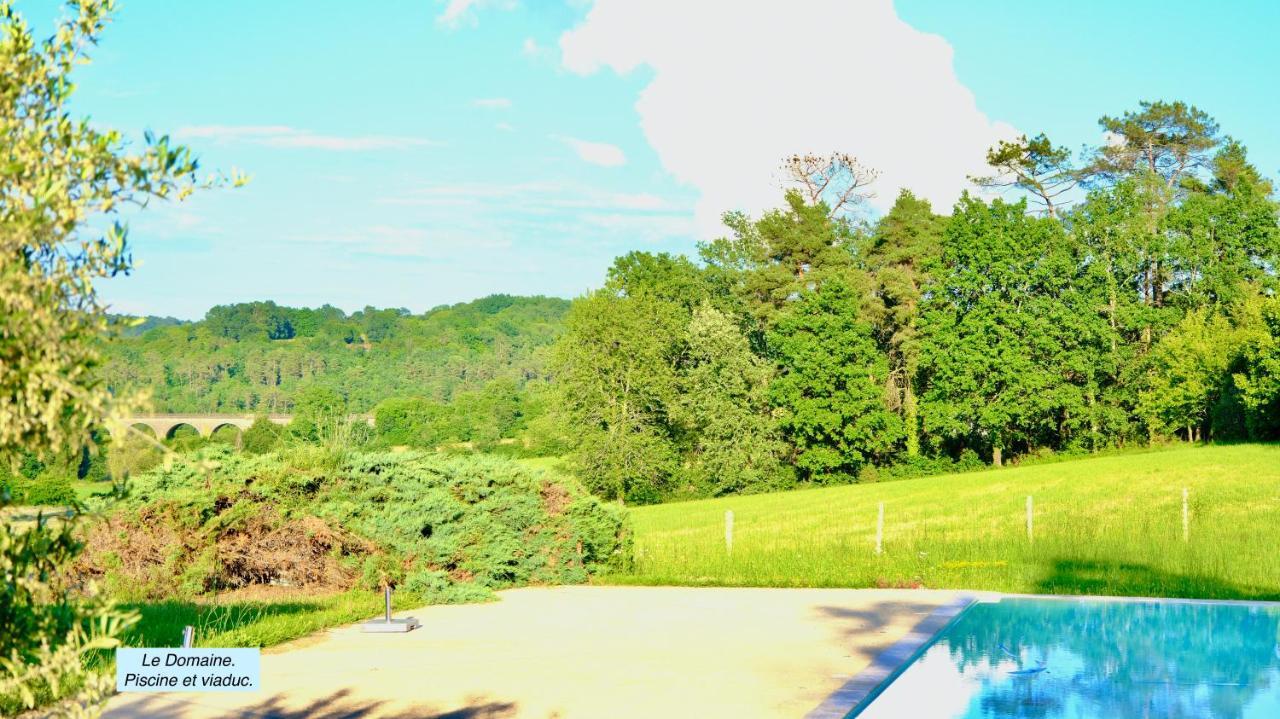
1107, 525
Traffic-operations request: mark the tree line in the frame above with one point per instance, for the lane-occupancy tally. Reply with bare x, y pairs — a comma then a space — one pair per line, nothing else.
1122, 295
470, 372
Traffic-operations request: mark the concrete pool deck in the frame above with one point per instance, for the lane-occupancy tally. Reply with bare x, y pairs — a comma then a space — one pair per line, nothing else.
583, 652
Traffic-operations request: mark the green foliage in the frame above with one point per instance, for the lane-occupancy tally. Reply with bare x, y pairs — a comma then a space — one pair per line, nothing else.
1034, 165
1188, 373
1168, 140
723, 405
831, 389
260, 357
448, 527
1012, 335
64, 183
1258, 376
262, 436
49, 489
898, 255
812, 344
616, 371
786, 252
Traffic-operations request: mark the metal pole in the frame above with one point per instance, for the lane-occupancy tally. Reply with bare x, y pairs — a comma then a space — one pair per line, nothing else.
387, 592
188, 636
880, 530
728, 531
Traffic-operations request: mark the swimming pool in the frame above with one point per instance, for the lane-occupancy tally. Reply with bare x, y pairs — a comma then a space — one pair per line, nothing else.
1092, 659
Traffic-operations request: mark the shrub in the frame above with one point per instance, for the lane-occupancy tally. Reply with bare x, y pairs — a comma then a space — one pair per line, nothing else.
262, 436
50, 489
186, 438
451, 528
921, 466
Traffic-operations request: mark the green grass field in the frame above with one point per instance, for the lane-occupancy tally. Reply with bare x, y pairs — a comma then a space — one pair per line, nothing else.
259, 623
1107, 525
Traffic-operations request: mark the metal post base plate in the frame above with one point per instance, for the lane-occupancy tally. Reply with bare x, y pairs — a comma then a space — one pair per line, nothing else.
395, 626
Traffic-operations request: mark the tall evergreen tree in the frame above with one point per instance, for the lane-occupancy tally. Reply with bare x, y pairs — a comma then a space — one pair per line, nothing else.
905, 242
774, 260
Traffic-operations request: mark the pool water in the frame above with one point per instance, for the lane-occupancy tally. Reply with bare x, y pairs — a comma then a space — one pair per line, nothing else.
1093, 659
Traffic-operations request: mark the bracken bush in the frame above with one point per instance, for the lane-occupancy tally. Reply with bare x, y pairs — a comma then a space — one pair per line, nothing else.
447, 528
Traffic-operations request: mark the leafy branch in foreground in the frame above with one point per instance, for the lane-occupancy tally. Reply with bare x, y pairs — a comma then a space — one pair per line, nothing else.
60, 181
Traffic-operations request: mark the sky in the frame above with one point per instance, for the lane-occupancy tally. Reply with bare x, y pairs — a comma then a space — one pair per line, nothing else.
413, 153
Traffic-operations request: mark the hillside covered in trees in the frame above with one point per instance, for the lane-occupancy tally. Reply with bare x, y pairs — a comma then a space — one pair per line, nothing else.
261, 358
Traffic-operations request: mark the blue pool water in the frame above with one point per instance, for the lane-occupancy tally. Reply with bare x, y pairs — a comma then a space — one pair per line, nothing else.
1093, 659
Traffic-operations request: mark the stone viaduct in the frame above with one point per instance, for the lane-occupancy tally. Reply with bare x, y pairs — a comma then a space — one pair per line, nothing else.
204, 424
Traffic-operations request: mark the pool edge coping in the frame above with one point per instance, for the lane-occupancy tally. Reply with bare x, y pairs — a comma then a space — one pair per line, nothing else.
889, 662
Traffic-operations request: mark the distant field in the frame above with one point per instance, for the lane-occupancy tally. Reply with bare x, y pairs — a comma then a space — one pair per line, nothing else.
1107, 525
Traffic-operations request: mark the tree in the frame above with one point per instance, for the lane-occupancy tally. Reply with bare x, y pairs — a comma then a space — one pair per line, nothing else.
830, 386
837, 181
1258, 376
905, 242
615, 371
1225, 236
319, 414
773, 261
1186, 374
1013, 340
1172, 141
1033, 165
723, 405
62, 178
663, 276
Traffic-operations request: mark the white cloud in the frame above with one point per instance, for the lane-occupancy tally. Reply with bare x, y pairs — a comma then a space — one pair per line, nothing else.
596, 153
737, 86
398, 241
493, 103
504, 126
286, 136
531, 197
645, 228
456, 12
531, 49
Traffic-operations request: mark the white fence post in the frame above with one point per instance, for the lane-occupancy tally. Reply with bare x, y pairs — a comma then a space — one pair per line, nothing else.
880, 530
728, 531
1030, 521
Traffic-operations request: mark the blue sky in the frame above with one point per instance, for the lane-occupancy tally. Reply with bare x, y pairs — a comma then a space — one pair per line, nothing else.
412, 153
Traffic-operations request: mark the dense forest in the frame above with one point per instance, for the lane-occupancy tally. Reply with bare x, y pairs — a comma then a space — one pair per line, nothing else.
485, 357
1079, 301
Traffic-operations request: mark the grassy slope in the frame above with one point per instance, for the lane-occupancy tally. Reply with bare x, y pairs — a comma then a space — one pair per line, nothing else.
1107, 525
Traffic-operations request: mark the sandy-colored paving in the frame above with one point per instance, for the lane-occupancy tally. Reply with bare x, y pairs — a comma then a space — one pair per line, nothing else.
575, 652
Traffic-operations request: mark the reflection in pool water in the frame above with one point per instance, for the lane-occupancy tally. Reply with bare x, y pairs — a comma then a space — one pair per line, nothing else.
1094, 659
